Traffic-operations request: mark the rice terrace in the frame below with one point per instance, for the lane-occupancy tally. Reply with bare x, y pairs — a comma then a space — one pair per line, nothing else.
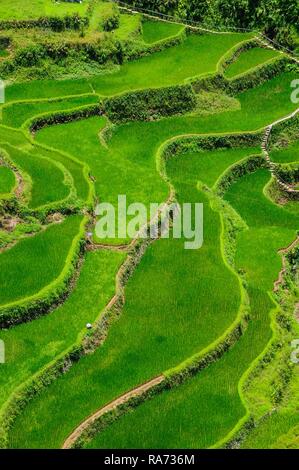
178, 119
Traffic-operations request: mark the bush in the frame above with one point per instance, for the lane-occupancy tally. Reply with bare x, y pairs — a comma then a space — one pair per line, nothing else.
194, 144
48, 22
150, 104
111, 22
278, 18
244, 82
30, 56
64, 117
4, 42
248, 165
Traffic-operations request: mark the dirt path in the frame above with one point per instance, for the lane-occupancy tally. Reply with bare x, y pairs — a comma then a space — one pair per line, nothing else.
285, 186
93, 246
101, 246
138, 391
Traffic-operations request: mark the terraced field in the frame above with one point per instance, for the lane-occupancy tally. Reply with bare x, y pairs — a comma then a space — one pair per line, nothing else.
37, 9
86, 320
7, 180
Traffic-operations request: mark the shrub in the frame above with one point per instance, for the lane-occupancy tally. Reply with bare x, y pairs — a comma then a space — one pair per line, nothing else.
30, 56
244, 82
64, 116
48, 22
4, 42
150, 104
248, 165
194, 144
111, 22
278, 18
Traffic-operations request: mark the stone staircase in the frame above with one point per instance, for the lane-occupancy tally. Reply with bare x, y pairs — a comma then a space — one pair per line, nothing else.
272, 167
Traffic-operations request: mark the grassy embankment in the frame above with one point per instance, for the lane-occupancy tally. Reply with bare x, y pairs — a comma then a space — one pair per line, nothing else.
47, 179
198, 54
7, 180
249, 60
154, 31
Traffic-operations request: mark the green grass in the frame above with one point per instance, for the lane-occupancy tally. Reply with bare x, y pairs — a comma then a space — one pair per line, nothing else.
129, 26
7, 180
4, 53
75, 168
142, 344
250, 59
16, 114
208, 164
286, 155
163, 324
47, 179
197, 55
154, 31
31, 346
131, 154
45, 89
196, 414
35, 262
20, 10
100, 10
270, 434
260, 211
273, 431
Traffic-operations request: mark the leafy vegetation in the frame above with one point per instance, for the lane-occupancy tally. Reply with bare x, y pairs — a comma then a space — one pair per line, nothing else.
276, 17
16, 114
47, 180
150, 345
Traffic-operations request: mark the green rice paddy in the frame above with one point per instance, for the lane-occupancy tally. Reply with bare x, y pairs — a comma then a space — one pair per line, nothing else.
41, 257
249, 60
177, 302
7, 180
154, 31
206, 408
